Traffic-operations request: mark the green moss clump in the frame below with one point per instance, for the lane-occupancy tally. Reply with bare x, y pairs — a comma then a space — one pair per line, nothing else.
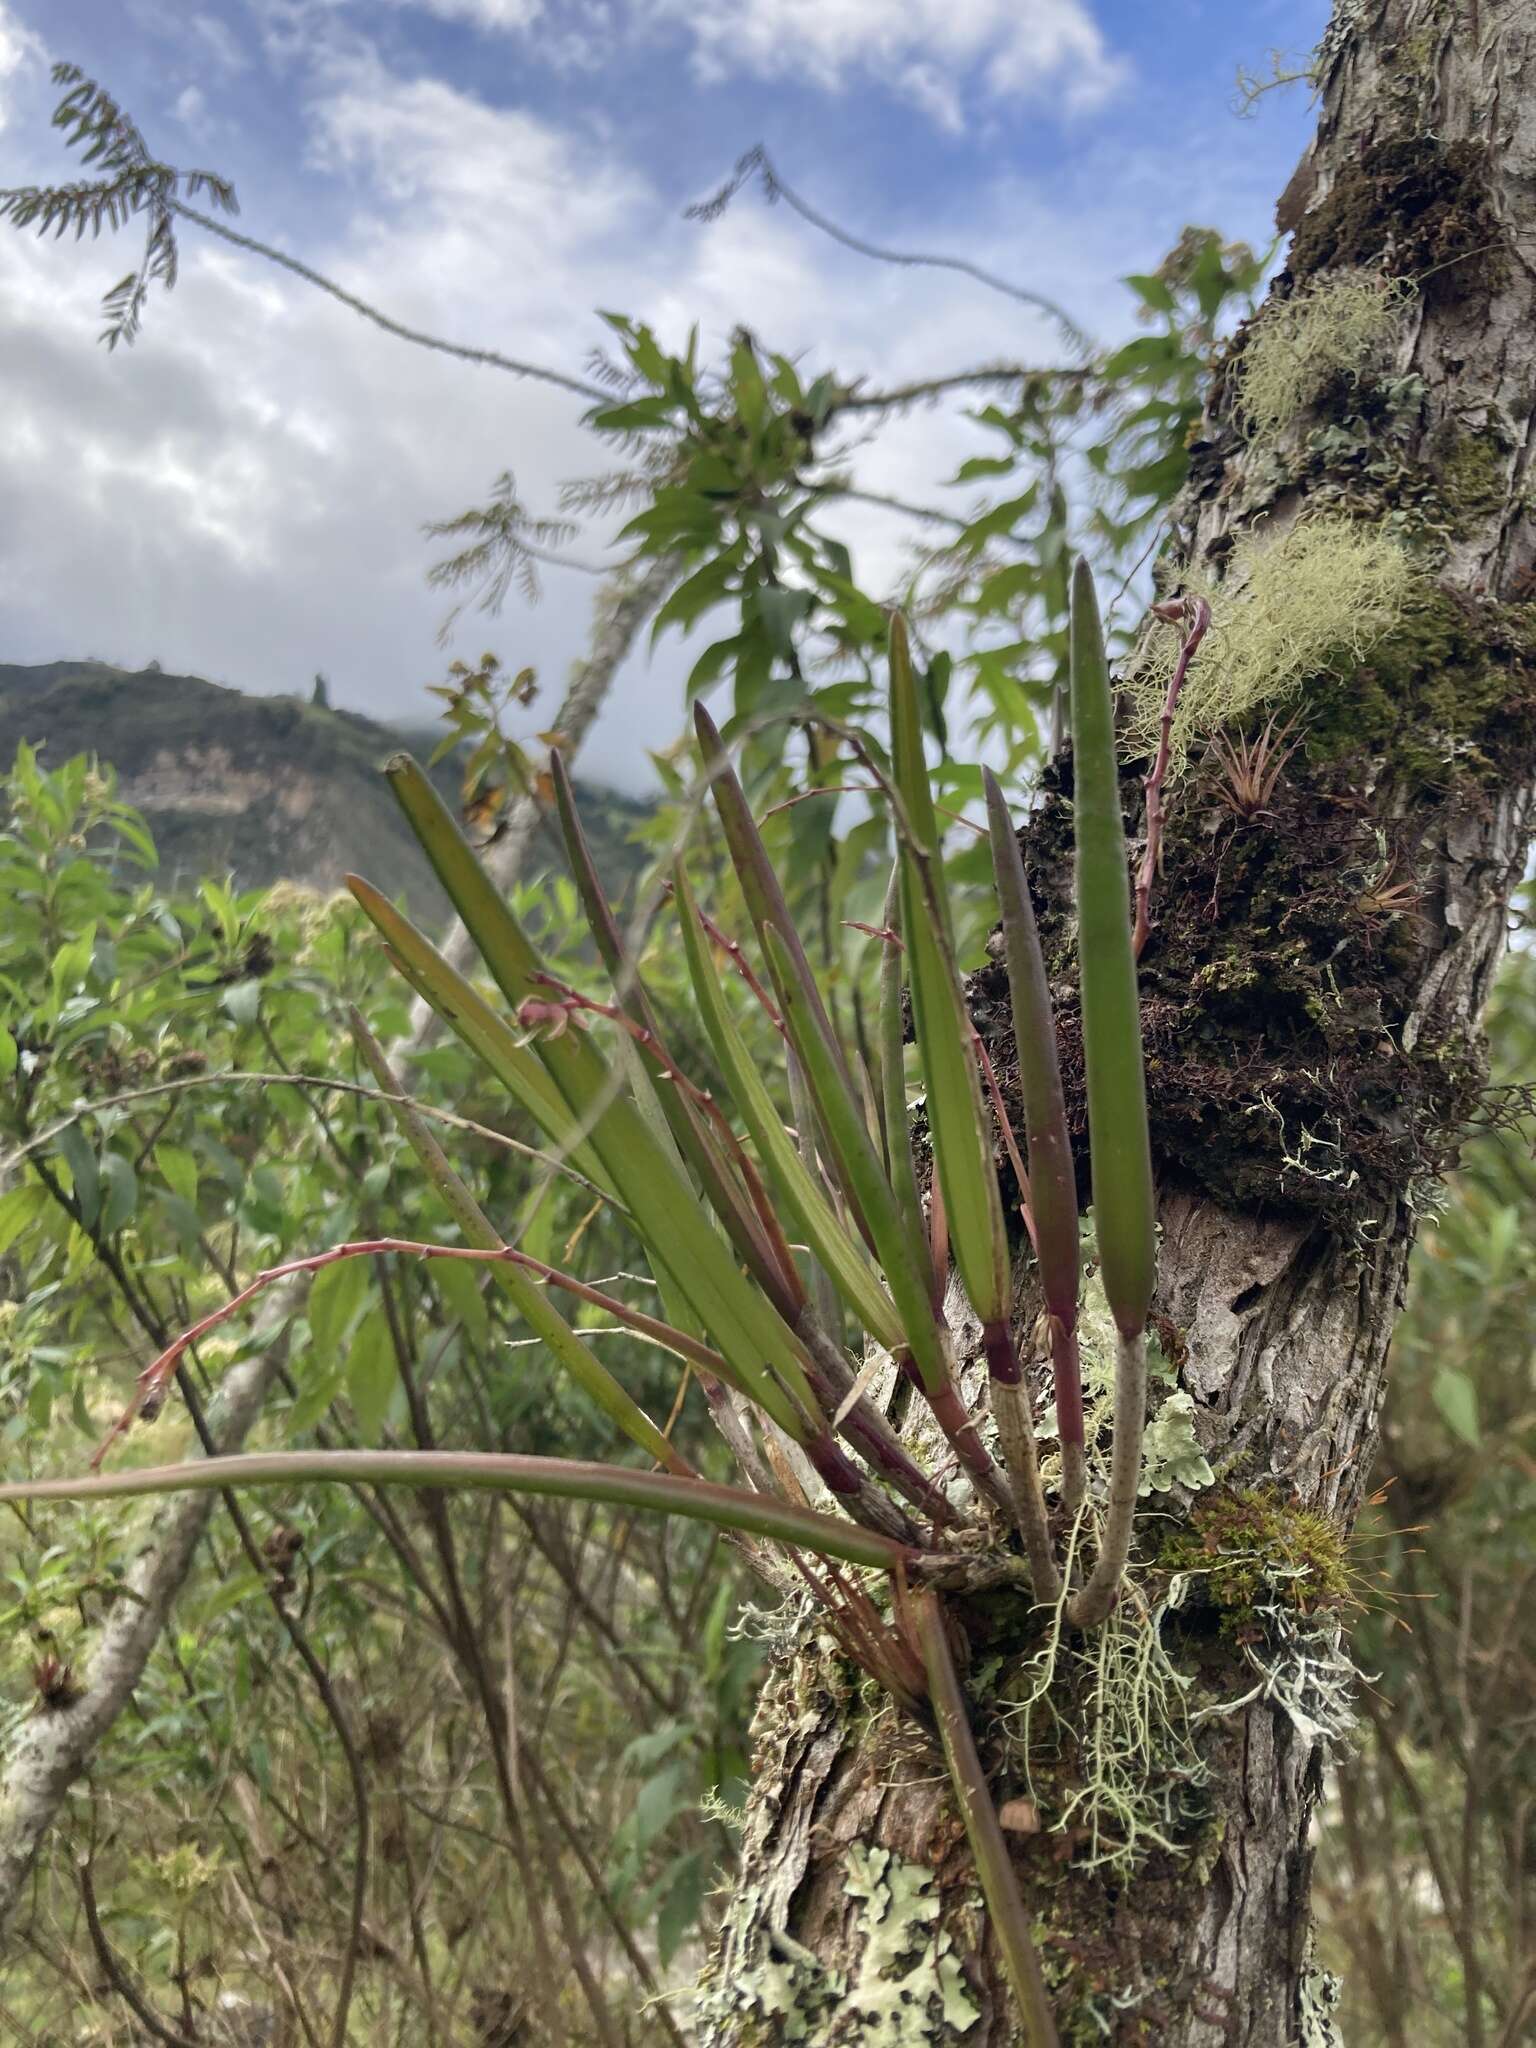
1474, 476
1251, 1550
1420, 209
1433, 696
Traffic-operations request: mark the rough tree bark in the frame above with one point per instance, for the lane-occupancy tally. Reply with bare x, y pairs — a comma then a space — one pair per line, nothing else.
1311, 992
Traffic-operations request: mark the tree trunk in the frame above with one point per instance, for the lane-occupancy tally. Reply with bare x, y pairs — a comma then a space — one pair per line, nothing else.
1311, 996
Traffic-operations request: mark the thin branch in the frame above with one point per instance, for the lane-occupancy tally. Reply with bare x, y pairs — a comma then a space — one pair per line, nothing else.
929, 514
12, 1159
159, 1370
959, 380
117, 1976
489, 358
757, 164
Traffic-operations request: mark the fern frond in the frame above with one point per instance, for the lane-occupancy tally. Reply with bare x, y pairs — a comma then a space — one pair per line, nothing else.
134, 185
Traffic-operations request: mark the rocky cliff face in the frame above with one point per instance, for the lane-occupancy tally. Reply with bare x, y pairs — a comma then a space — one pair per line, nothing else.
264, 788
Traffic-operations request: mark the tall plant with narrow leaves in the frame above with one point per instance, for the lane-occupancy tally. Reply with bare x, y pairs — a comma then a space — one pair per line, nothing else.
793, 1251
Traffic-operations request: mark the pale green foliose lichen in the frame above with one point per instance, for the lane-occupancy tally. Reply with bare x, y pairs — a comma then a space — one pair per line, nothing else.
1321, 1993
1171, 1453
905, 1990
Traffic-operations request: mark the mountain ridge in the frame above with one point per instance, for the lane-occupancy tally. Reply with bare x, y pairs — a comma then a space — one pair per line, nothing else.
264, 788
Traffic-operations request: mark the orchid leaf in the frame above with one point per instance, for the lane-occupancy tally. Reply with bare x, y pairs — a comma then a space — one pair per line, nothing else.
679, 1237
727, 1507
529, 1299
1052, 1183
1119, 1145
849, 1133
957, 1118
842, 1259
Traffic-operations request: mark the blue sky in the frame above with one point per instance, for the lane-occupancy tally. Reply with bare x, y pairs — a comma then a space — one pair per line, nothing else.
242, 493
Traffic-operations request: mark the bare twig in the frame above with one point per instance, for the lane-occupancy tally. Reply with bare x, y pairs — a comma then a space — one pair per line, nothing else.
39, 1140
756, 163
899, 395
488, 358
117, 1976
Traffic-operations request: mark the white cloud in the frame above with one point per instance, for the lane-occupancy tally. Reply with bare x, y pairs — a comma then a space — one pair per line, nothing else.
192, 111
486, 14
928, 51
936, 54
565, 35
21, 52
421, 142
241, 494
219, 42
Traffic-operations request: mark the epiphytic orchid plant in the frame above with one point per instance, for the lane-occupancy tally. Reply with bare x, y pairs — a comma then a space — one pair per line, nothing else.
769, 1242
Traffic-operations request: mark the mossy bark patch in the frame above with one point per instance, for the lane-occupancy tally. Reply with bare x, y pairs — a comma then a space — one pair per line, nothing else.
1281, 985
1418, 208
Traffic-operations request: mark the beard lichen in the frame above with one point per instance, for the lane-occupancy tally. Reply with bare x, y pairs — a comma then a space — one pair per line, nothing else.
1341, 326
1096, 1729
1314, 600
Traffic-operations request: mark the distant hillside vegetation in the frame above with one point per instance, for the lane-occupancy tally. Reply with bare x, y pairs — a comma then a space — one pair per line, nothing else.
266, 788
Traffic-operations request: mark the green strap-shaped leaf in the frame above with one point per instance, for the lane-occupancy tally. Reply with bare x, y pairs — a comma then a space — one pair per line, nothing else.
692, 1137
849, 1135
840, 1256
728, 1507
760, 884
511, 960
527, 1297
1119, 1144
676, 1231
893, 1096
1052, 1182
957, 1117
471, 1019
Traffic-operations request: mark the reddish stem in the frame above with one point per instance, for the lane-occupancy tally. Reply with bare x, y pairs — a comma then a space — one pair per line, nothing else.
1196, 614
742, 965
842, 1478
159, 1371
1010, 1142
950, 1412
